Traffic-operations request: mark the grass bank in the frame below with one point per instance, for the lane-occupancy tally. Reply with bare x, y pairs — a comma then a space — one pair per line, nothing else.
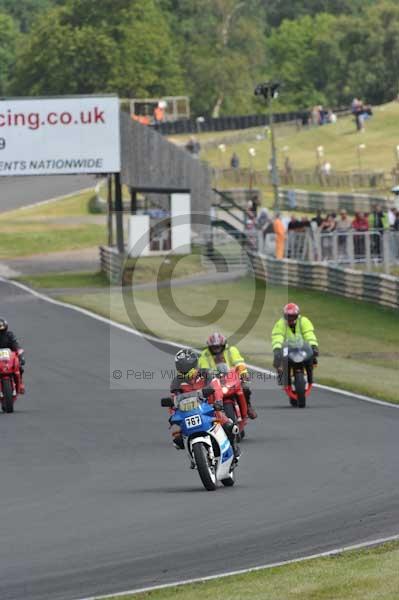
358, 341
146, 270
340, 142
357, 575
61, 225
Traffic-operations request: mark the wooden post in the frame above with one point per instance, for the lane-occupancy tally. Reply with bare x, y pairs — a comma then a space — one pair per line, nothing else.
119, 214
110, 211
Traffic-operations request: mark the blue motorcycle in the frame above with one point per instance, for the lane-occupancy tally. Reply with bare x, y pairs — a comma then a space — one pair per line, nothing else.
208, 446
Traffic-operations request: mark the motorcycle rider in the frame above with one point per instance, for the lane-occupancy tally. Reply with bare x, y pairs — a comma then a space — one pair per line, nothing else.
293, 324
189, 378
9, 340
218, 351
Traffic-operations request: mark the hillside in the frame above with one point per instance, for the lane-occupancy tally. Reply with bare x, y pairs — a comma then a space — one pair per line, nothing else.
340, 142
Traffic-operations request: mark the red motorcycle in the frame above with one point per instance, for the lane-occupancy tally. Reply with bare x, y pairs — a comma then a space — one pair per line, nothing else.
10, 379
234, 403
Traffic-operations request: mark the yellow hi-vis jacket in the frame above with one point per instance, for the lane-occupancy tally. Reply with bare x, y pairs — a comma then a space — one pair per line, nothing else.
231, 357
282, 332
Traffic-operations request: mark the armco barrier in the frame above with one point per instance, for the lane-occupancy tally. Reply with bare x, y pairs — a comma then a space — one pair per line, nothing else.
370, 287
111, 263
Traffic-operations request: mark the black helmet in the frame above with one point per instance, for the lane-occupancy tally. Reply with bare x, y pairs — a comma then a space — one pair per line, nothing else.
186, 360
3, 325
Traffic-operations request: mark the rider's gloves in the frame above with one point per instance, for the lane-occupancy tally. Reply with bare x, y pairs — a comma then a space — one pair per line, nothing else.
278, 358
21, 357
218, 405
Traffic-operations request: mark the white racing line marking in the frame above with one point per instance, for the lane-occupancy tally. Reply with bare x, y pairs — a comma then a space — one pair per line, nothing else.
137, 333
283, 563
176, 345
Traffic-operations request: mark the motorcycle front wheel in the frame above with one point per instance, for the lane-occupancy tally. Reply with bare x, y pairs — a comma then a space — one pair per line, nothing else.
205, 470
7, 401
300, 386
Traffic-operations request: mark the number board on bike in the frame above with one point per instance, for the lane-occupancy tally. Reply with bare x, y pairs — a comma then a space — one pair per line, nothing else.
194, 421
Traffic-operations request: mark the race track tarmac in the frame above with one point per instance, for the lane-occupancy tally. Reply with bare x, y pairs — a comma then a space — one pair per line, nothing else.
22, 191
94, 499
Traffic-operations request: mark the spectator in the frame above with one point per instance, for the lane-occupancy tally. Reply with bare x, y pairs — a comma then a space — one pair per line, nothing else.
378, 221
235, 161
193, 146
263, 224
395, 226
326, 170
279, 230
360, 224
288, 170
327, 227
318, 219
331, 116
159, 113
391, 214
343, 226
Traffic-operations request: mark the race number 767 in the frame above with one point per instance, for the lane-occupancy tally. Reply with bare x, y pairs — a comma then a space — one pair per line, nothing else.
194, 421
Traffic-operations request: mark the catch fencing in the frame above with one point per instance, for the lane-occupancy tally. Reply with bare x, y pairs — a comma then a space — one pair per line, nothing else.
187, 126
375, 180
369, 248
331, 202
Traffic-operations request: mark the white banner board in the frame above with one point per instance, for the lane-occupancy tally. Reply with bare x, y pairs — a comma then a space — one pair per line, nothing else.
52, 136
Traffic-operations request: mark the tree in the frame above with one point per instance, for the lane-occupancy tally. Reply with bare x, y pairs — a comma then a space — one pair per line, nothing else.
77, 49
24, 11
279, 10
8, 41
306, 56
222, 46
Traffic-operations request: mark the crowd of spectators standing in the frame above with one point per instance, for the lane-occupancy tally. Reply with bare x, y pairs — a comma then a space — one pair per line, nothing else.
260, 223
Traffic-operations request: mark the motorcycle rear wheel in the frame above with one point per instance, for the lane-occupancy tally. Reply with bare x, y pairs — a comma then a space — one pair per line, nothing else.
205, 471
300, 386
7, 401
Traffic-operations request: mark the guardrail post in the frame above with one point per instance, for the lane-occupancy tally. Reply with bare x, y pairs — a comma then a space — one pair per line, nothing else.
119, 214
367, 243
350, 248
335, 246
109, 216
386, 250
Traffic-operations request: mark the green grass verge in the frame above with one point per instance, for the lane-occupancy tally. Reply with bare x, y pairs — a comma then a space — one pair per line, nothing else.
358, 341
147, 269
77, 205
66, 280
35, 230
162, 268
26, 239
371, 574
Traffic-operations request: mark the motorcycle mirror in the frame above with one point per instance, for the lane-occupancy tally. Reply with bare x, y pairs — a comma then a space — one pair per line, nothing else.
167, 402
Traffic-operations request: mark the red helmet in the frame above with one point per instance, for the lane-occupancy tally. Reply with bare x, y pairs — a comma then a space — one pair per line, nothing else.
291, 313
216, 343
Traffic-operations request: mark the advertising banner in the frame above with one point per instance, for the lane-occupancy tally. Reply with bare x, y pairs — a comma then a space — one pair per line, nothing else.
53, 136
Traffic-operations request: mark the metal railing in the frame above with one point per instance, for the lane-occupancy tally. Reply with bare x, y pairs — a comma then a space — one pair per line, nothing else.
370, 248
